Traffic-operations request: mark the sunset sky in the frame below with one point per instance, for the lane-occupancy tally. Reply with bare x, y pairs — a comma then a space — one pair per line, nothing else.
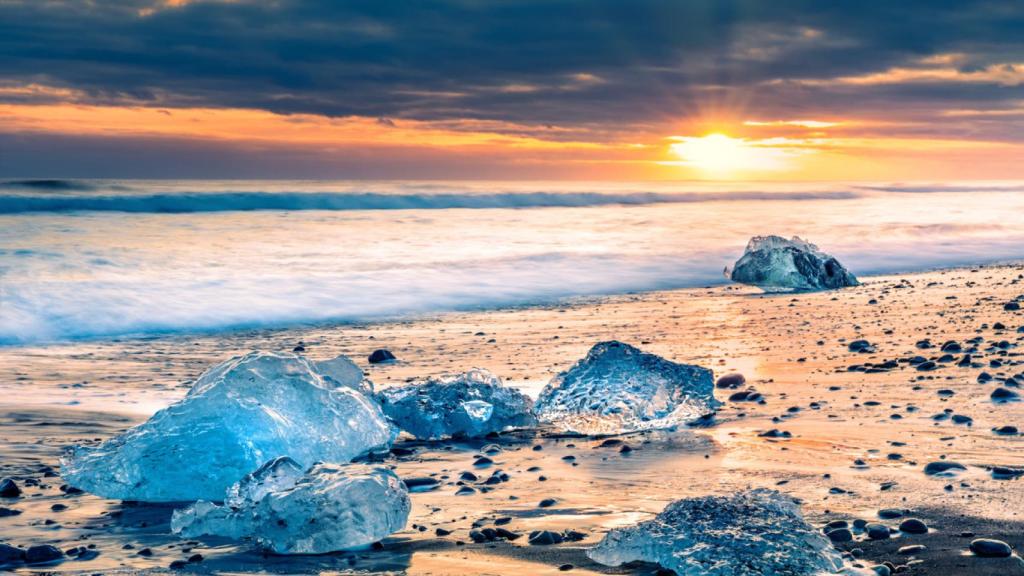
507, 89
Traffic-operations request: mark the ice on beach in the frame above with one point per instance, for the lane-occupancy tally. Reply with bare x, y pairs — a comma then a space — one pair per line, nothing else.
748, 534
618, 389
776, 264
331, 507
342, 371
471, 404
238, 415
274, 475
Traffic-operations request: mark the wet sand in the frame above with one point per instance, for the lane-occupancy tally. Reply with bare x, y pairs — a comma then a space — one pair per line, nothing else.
792, 348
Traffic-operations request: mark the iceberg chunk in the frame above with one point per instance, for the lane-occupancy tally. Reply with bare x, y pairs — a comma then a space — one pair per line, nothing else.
748, 534
618, 389
237, 416
776, 264
471, 404
342, 371
329, 508
277, 474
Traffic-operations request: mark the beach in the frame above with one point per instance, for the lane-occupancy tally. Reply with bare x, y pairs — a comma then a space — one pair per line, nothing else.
858, 438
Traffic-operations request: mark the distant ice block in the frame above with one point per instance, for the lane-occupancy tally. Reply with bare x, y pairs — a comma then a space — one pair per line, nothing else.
619, 389
238, 415
776, 264
471, 404
330, 507
748, 534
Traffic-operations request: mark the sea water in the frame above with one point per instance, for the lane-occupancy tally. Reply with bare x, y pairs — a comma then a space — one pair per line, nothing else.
83, 259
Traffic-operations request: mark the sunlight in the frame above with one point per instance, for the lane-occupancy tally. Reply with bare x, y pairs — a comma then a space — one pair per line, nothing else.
723, 155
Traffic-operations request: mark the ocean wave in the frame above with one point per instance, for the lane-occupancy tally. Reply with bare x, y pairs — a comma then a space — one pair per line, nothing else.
49, 184
179, 203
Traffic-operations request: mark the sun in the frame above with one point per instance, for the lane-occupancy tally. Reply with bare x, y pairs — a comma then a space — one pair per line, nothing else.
722, 155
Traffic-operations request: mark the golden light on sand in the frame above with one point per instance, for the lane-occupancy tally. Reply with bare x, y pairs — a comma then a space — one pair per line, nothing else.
723, 155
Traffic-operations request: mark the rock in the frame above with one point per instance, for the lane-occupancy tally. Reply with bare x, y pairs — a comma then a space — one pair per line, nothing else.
878, 531
330, 508
988, 548
471, 404
1005, 430
8, 489
237, 416
618, 389
913, 526
840, 535
43, 554
733, 380
11, 555
774, 263
545, 538
1004, 395
748, 534
861, 346
380, 356
944, 468
421, 484
912, 549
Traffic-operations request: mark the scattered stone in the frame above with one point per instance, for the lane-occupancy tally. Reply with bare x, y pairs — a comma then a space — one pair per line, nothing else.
989, 548
381, 356
913, 526
8, 489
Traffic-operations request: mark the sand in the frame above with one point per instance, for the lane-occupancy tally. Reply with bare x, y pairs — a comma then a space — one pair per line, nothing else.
792, 348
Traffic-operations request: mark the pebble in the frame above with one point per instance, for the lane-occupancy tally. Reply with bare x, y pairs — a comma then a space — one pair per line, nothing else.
8, 489
944, 468
913, 526
989, 548
42, 554
734, 380
380, 356
878, 531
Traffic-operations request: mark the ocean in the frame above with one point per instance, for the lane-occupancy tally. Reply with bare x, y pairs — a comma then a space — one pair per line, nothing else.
86, 259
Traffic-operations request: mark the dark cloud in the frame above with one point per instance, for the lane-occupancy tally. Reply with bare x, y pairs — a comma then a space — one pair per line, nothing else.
644, 61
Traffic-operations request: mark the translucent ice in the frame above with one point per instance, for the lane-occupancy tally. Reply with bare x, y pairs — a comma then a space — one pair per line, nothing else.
277, 474
470, 404
618, 389
238, 415
342, 371
330, 507
774, 263
748, 534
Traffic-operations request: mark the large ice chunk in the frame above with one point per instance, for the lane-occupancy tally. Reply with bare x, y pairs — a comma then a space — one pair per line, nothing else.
776, 264
330, 507
618, 389
471, 404
237, 416
748, 534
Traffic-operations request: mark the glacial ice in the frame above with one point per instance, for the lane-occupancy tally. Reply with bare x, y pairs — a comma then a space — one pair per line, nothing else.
747, 534
342, 371
619, 389
776, 264
330, 507
471, 404
238, 415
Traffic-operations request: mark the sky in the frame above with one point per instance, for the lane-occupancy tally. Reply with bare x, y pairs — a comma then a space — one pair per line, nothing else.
513, 89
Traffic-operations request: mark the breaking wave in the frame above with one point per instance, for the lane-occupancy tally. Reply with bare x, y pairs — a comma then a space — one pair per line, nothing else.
179, 203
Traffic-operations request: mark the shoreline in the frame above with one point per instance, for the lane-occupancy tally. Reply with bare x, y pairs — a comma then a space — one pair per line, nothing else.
791, 347
244, 330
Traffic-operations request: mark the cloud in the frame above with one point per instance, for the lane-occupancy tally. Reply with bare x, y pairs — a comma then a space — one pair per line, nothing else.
556, 70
